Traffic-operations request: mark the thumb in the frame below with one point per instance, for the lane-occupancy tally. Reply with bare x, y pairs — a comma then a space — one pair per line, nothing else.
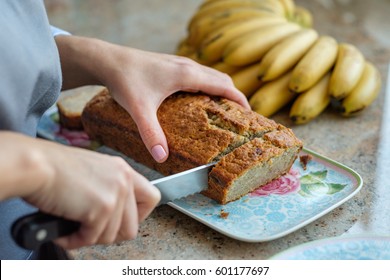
153, 136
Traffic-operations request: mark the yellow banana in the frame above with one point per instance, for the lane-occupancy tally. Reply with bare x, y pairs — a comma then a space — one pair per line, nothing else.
302, 16
207, 2
347, 71
246, 79
273, 5
272, 96
284, 55
314, 65
213, 46
364, 93
211, 8
311, 103
289, 8
207, 25
225, 68
250, 47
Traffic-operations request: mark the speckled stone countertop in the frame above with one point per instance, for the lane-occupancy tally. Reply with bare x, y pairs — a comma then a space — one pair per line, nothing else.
360, 143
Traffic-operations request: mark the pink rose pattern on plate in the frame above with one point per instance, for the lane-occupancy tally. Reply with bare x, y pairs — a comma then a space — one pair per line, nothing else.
310, 185
285, 184
75, 137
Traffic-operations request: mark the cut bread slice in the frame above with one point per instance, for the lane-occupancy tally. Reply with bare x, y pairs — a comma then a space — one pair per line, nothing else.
251, 165
71, 105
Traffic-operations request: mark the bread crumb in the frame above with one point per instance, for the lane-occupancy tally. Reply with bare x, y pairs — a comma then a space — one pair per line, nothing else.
304, 160
223, 214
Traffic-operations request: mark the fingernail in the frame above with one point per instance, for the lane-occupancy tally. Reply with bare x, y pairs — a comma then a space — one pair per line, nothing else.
158, 153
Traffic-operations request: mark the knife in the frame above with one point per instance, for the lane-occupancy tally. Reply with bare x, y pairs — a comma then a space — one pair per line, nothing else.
34, 230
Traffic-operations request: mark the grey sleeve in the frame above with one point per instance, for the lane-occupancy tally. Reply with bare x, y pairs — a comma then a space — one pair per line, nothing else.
55, 31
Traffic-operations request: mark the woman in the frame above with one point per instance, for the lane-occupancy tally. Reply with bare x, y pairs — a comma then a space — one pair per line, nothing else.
102, 192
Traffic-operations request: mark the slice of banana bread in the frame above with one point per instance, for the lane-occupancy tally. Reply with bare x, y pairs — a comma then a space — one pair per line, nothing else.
72, 102
252, 165
251, 149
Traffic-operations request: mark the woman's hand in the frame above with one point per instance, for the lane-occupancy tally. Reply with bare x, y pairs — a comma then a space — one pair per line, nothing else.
140, 81
102, 192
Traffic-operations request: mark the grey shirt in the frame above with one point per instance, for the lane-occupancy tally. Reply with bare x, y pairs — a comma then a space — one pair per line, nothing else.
30, 72
30, 82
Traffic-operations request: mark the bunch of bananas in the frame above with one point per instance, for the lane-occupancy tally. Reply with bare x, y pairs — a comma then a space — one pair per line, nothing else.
276, 58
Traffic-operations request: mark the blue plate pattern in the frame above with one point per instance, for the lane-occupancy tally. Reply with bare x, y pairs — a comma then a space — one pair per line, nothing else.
308, 192
264, 218
365, 247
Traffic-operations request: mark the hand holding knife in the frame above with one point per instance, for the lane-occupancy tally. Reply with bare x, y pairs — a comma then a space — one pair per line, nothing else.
31, 231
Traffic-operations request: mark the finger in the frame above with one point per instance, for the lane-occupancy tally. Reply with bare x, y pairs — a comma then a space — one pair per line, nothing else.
122, 207
123, 197
151, 133
87, 235
128, 227
147, 195
213, 82
227, 88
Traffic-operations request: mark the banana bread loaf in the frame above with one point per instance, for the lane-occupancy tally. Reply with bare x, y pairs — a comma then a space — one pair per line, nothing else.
251, 149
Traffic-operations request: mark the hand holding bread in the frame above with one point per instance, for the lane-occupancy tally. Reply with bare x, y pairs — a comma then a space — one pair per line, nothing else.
140, 81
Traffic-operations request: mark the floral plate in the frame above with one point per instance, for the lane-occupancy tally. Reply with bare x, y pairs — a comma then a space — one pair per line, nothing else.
362, 247
306, 193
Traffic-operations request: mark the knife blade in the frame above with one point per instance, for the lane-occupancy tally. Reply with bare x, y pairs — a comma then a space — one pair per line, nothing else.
183, 184
33, 230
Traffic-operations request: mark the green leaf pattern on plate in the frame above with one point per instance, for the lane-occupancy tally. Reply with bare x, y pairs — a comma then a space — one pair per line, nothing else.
315, 183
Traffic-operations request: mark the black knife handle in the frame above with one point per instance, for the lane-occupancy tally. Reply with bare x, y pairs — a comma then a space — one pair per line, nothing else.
31, 231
